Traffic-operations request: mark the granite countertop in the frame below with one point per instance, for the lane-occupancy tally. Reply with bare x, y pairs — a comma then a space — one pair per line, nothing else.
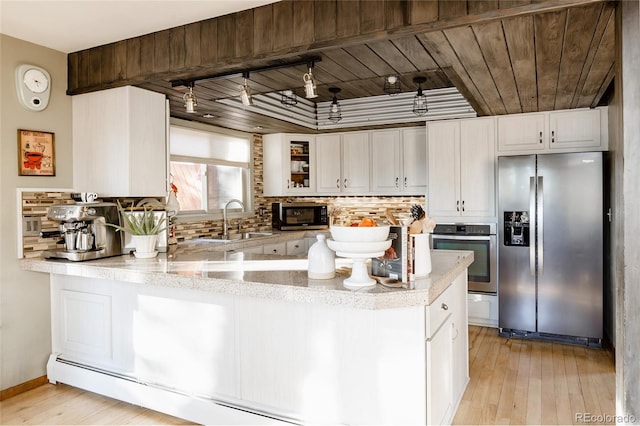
225, 268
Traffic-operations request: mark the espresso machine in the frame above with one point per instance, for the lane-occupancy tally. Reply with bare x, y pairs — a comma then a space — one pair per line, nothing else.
85, 232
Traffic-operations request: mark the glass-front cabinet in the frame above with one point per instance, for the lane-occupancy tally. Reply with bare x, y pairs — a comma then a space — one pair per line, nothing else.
300, 176
289, 164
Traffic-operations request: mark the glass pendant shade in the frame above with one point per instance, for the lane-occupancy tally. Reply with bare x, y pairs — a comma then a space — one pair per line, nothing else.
392, 85
309, 85
420, 100
288, 98
335, 111
245, 94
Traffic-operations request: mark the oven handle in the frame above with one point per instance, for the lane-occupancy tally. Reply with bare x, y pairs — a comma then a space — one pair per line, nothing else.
463, 237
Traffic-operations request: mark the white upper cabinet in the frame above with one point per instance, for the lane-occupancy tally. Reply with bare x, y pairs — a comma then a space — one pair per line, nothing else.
461, 168
575, 129
120, 142
343, 163
554, 131
398, 161
386, 161
414, 160
521, 132
289, 164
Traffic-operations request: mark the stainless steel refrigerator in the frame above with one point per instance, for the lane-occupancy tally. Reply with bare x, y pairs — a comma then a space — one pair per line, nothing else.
550, 255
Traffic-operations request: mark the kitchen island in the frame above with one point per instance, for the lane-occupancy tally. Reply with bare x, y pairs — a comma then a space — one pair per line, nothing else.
225, 336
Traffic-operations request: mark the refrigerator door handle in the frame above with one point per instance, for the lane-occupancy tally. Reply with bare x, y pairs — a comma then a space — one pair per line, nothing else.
532, 225
540, 226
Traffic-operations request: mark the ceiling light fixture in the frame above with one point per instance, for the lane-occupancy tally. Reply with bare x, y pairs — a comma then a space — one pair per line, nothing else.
392, 85
288, 98
245, 91
335, 112
309, 84
420, 100
190, 100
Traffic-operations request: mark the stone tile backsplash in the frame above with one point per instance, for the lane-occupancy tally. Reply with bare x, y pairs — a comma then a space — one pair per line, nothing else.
35, 204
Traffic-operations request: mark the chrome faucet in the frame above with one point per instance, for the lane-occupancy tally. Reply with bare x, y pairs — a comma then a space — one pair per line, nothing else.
225, 223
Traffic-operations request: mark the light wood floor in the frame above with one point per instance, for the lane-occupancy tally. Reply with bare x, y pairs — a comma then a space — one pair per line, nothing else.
512, 382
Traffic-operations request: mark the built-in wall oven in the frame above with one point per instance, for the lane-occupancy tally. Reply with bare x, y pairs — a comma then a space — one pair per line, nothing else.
479, 238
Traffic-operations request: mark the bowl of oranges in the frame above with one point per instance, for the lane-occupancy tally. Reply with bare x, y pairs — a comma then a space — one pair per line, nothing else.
366, 230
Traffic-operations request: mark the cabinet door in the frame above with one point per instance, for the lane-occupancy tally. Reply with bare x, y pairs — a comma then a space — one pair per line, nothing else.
443, 197
385, 162
355, 163
328, 159
299, 164
575, 129
460, 338
521, 132
414, 161
477, 167
297, 247
439, 374
276, 248
121, 142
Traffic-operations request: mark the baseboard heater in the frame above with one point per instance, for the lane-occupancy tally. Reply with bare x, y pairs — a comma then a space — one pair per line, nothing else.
159, 398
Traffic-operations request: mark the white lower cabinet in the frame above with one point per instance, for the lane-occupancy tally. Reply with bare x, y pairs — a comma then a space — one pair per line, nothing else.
447, 353
203, 352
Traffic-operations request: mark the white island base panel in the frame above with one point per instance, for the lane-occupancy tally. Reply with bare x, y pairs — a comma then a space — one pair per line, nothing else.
197, 354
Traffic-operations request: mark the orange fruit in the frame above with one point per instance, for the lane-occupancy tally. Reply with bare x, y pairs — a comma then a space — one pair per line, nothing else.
367, 222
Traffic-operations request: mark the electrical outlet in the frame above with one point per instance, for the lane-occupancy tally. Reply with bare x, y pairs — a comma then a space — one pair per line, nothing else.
31, 226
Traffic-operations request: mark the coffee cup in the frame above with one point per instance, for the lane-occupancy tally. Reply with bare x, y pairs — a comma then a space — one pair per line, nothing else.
88, 197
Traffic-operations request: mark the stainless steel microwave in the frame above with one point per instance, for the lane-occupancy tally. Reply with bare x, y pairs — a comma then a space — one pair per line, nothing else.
296, 216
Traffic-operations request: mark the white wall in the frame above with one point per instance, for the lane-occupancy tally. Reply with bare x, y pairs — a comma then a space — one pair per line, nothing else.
25, 337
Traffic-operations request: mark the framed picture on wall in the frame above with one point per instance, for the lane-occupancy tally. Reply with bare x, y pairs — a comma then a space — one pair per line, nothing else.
36, 153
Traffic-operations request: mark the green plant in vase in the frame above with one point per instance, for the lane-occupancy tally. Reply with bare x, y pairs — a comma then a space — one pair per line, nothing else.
143, 227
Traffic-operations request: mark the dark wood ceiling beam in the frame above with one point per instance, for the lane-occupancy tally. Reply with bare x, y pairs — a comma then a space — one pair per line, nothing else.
250, 37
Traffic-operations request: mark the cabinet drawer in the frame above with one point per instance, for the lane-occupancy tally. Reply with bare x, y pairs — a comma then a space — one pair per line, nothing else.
439, 311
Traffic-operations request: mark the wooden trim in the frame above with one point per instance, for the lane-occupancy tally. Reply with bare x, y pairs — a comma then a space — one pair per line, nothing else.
24, 387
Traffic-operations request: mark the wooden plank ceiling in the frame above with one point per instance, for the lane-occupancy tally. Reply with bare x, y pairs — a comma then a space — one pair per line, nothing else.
531, 62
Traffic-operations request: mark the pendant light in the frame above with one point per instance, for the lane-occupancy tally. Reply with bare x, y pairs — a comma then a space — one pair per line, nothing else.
288, 98
335, 112
190, 100
309, 84
392, 85
245, 91
420, 100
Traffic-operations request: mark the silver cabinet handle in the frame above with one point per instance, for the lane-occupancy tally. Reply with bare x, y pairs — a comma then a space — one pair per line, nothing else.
444, 307
397, 180
405, 182
338, 183
345, 183
540, 136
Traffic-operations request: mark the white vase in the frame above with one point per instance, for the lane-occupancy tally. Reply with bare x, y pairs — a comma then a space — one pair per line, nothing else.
322, 260
421, 255
145, 246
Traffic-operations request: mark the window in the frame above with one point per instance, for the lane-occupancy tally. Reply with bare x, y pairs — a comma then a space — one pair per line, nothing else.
209, 169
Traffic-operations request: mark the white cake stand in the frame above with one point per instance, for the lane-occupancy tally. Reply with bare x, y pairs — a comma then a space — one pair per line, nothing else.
358, 253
